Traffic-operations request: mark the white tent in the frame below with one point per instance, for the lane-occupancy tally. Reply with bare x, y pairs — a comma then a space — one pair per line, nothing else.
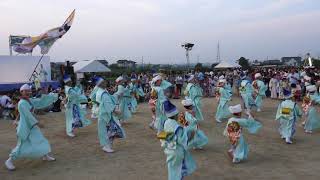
225, 64
90, 66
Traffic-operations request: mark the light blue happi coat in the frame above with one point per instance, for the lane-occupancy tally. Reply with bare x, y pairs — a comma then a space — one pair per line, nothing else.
75, 115
223, 107
228, 87
179, 160
107, 104
160, 114
123, 98
288, 121
92, 96
313, 118
261, 93
246, 94
199, 139
134, 102
31, 142
241, 150
195, 93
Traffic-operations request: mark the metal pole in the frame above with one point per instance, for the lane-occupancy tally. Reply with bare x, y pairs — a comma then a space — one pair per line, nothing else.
188, 61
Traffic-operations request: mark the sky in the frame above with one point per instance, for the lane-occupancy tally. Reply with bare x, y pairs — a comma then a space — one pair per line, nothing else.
155, 29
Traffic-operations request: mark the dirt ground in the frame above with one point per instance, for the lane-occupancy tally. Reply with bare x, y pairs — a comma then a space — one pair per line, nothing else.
140, 156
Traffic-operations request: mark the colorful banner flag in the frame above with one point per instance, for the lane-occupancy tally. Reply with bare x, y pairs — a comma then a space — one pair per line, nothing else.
44, 41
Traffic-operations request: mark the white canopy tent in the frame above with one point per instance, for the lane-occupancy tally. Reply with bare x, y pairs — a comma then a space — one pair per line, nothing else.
225, 64
90, 66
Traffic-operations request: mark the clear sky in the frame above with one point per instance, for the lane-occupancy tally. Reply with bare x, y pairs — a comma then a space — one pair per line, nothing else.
155, 29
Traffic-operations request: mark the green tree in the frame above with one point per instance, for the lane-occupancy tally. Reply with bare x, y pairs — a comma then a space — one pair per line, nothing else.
244, 63
198, 67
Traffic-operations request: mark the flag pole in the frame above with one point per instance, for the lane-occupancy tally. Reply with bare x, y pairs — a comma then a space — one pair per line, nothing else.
34, 70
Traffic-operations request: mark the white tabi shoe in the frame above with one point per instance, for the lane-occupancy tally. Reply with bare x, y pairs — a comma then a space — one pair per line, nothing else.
71, 135
107, 149
258, 110
288, 141
48, 158
218, 120
9, 165
308, 132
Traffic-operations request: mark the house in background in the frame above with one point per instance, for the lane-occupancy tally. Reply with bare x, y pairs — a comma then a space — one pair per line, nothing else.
271, 62
292, 61
126, 63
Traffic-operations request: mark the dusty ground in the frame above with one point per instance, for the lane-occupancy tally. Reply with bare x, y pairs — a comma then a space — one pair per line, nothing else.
140, 156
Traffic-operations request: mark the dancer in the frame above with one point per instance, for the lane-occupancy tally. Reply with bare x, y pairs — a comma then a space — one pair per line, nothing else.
194, 92
123, 98
259, 91
287, 115
159, 86
246, 94
109, 127
191, 124
31, 142
234, 130
174, 140
223, 95
95, 108
75, 116
312, 115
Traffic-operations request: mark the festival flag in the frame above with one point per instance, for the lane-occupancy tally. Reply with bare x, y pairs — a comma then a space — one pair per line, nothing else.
45, 40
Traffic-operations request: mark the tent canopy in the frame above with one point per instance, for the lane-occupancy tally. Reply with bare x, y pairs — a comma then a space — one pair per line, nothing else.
90, 66
225, 64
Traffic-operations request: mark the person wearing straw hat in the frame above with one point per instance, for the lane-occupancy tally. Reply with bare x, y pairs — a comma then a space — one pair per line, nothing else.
191, 124
174, 140
158, 89
246, 94
260, 91
234, 131
313, 118
109, 126
223, 97
195, 93
123, 98
287, 114
31, 142
75, 117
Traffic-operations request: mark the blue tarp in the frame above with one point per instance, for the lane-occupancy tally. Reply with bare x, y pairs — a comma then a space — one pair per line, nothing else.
15, 86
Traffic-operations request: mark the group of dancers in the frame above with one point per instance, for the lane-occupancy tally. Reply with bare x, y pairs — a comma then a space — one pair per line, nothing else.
178, 132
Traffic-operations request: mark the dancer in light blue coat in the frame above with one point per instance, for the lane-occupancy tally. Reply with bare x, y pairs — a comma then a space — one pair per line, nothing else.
194, 92
246, 94
123, 98
313, 118
287, 114
259, 91
223, 97
75, 115
174, 140
234, 131
109, 126
31, 142
191, 124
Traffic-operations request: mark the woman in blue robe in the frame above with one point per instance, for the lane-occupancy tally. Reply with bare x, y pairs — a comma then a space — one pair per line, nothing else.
75, 115
109, 127
191, 124
123, 98
224, 97
234, 130
174, 140
288, 113
313, 118
31, 142
194, 92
